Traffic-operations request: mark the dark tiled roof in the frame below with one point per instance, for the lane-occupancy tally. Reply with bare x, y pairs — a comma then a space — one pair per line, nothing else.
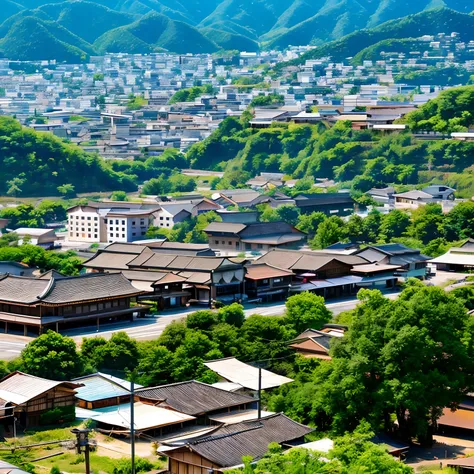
321, 199
194, 398
65, 289
395, 249
268, 228
227, 445
89, 287
22, 289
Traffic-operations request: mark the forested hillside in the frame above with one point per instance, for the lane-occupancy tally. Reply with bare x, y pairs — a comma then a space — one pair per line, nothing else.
195, 26
358, 159
34, 164
367, 41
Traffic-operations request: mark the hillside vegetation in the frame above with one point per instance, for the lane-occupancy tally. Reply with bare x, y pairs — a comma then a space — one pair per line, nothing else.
412, 26
152, 32
35, 163
197, 26
357, 159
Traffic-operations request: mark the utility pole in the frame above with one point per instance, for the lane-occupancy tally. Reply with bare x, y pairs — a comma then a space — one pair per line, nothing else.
132, 423
259, 392
82, 445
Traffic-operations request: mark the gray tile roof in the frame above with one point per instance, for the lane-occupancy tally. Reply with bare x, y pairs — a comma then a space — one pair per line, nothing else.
228, 444
21, 289
306, 261
194, 398
64, 290
91, 286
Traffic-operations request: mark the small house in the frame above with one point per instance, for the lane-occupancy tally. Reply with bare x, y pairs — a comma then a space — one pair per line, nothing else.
28, 399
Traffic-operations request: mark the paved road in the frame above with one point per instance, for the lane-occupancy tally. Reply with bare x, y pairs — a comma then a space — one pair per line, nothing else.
11, 346
151, 328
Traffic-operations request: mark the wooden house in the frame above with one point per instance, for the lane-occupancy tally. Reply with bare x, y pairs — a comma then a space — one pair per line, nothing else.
27, 398
224, 447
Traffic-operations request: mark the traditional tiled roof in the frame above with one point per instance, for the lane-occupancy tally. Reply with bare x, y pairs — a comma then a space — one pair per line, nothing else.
194, 398
110, 261
64, 290
310, 261
227, 445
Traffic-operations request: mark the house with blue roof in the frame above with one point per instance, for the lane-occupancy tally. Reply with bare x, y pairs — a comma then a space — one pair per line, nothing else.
101, 390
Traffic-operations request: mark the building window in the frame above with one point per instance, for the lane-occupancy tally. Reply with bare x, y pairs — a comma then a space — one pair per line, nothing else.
88, 218
123, 236
216, 242
82, 217
230, 243
167, 218
95, 236
259, 246
117, 235
134, 234
133, 222
96, 218
123, 222
116, 222
161, 218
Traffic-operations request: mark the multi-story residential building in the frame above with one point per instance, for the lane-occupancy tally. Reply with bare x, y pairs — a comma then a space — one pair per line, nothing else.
109, 222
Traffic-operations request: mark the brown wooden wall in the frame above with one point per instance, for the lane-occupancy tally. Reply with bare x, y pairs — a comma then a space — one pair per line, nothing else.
183, 461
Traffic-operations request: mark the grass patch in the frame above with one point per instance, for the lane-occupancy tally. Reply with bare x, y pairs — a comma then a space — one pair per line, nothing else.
74, 463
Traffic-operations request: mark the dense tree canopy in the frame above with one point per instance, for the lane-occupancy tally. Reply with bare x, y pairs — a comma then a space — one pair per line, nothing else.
36, 164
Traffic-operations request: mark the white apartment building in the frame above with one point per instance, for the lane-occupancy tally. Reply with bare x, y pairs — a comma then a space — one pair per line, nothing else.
96, 224
127, 226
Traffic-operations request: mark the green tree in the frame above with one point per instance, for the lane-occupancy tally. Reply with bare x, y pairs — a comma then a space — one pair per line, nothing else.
415, 358
232, 314
307, 310
53, 357
67, 190
119, 196
394, 224
202, 319
329, 232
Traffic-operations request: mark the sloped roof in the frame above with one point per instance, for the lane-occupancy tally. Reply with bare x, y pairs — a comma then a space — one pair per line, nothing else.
110, 260
146, 417
262, 271
101, 386
414, 195
227, 445
301, 260
194, 397
18, 388
244, 374
91, 286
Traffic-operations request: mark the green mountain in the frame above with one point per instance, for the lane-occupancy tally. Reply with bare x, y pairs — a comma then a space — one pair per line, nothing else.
188, 26
86, 19
256, 15
427, 22
32, 39
230, 41
8, 9
154, 32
